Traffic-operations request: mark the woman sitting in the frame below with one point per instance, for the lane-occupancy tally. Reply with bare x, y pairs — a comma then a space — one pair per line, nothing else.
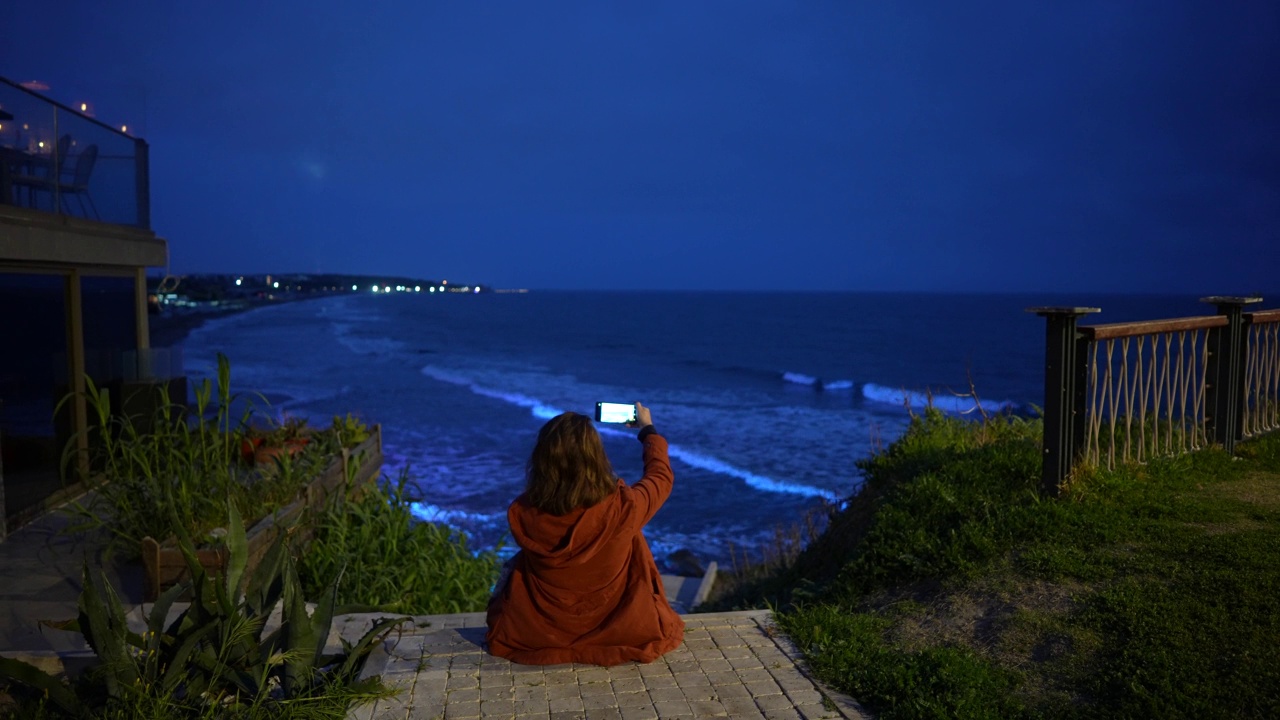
584, 587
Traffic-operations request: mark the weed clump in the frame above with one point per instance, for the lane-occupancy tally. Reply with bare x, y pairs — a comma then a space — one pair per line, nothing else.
393, 561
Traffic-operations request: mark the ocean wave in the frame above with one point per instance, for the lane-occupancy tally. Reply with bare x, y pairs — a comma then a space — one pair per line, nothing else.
536, 407
816, 383
454, 517
947, 402
759, 482
799, 378
706, 462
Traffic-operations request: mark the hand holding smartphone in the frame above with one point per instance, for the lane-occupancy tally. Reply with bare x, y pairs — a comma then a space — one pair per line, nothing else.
609, 412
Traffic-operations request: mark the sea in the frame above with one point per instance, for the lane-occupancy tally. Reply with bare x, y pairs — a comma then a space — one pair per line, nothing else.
768, 400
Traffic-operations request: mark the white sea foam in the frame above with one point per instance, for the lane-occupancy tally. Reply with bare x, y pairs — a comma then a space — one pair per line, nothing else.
538, 408
817, 383
453, 516
799, 378
946, 402
759, 482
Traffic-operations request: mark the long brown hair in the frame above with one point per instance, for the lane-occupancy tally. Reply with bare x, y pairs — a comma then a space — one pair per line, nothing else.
568, 468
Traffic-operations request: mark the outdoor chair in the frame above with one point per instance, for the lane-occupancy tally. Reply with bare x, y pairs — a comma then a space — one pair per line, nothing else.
79, 185
48, 181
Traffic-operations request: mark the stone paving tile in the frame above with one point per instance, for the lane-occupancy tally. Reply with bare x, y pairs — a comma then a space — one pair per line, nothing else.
643, 712
731, 665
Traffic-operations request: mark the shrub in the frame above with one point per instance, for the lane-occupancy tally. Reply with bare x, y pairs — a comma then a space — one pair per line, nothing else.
395, 561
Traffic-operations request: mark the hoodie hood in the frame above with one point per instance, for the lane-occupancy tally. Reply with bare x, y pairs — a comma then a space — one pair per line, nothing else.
564, 540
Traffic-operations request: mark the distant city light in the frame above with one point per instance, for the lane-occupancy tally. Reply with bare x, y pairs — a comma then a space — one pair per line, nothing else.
444, 282
476, 290
40, 144
275, 284
433, 288
375, 288
124, 128
417, 288
353, 287
238, 281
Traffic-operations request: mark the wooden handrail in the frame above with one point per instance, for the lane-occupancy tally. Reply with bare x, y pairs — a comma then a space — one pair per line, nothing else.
1112, 331
1264, 316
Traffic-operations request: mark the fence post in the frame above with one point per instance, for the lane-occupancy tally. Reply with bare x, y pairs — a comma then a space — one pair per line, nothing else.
1224, 372
1066, 384
142, 183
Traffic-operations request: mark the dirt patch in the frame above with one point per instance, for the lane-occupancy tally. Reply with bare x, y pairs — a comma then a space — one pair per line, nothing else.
976, 616
1014, 622
1256, 488
1238, 526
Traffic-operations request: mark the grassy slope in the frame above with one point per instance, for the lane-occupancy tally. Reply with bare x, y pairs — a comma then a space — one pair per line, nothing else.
948, 588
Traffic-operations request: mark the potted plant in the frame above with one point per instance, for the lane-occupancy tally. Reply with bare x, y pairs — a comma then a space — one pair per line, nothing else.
264, 446
187, 468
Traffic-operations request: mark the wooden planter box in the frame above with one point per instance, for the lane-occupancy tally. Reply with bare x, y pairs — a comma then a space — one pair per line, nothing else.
165, 566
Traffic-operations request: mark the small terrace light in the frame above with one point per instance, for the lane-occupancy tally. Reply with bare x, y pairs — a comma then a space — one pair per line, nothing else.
276, 285
239, 281
417, 288
124, 128
353, 287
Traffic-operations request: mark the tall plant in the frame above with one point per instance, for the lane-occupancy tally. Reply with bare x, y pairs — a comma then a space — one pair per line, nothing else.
180, 463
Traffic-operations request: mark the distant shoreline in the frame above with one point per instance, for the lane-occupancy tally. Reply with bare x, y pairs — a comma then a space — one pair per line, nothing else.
168, 330
171, 328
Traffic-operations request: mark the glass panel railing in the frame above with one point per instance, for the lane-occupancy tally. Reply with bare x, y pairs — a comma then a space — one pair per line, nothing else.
54, 159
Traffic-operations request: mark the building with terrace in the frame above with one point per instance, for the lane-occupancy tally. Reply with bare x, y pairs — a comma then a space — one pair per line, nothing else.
75, 243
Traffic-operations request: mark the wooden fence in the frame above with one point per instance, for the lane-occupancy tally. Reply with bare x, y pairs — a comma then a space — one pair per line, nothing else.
1128, 392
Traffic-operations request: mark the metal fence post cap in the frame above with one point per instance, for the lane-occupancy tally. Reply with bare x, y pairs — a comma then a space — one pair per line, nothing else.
1231, 299
1046, 311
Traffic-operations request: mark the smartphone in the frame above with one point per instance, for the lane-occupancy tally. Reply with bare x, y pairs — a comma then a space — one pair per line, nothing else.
607, 412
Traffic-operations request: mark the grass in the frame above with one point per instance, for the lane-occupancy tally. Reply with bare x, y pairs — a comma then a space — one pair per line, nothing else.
949, 588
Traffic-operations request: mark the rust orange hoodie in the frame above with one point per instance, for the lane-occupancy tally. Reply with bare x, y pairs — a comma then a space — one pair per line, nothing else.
584, 587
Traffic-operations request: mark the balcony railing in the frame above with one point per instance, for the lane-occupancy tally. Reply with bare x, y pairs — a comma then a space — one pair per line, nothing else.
1129, 392
56, 160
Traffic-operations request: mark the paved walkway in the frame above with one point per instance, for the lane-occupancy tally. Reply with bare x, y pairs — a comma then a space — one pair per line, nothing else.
730, 665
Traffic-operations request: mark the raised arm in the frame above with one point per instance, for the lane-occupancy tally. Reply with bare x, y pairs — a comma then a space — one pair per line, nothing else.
653, 489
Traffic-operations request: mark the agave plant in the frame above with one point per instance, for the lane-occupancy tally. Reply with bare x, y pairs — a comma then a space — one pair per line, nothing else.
216, 655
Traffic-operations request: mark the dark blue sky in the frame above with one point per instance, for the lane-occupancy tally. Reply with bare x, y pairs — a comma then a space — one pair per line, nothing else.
848, 145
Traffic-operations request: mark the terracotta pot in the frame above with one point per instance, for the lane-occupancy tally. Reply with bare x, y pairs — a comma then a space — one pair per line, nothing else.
248, 446
265, 454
